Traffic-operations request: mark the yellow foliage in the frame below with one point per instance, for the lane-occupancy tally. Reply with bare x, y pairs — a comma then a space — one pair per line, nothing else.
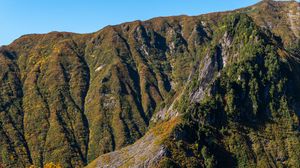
52, 165
282, 53
164, 129
48, 165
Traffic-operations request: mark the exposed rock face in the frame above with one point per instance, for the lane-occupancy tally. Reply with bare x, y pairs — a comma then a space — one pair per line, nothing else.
146, 152
225, 44
294, 17
212, 63
68, 98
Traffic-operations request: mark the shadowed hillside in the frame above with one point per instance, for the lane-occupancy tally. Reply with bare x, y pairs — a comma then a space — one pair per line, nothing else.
215, 90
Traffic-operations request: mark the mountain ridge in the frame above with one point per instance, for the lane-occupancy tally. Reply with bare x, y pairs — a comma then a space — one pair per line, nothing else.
264, 2
68, 98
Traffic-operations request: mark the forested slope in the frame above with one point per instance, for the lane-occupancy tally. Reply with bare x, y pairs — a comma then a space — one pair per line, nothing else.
192, 89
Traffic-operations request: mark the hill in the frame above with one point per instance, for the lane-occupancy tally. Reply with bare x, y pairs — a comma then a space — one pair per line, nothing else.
215, 90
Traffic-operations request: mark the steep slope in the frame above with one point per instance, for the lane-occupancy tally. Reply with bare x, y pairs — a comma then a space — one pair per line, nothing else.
249, 115
240, 93
280, 17
235, 124
69, 98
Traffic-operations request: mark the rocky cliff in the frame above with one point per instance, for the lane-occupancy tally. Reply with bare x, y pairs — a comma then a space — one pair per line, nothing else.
215, 90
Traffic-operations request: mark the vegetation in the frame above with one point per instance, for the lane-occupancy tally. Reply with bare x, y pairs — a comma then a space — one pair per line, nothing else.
250, 111
68, 98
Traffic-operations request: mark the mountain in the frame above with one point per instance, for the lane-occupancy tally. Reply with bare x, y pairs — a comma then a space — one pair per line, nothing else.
215, 90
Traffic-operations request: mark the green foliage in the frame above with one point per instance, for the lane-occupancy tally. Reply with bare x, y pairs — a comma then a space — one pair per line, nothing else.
251, 99
68, 98
209, 160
